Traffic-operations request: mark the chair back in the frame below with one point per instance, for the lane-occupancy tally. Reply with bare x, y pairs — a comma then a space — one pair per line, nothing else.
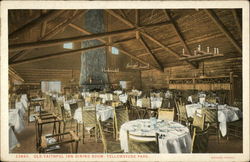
57, 108
238, 104
166, 103
146, 102
115, 103
182, 110
73, 108
89, 117
211, 100
120, 116
199, 120
142, 144
211, 114
133, 101
115, 98
166, 114
195, 98
88, 99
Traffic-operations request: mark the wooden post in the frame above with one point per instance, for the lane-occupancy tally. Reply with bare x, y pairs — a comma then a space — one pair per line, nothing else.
231, 99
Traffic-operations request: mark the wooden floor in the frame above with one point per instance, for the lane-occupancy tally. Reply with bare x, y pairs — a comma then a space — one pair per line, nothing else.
27, 142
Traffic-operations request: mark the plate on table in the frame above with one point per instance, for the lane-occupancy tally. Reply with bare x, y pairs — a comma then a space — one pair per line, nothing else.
145, 129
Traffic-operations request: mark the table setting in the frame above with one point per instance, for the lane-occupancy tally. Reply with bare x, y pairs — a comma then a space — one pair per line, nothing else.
225, 113
102, 111
173, 137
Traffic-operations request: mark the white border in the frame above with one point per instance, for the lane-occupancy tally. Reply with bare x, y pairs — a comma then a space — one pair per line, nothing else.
5, 5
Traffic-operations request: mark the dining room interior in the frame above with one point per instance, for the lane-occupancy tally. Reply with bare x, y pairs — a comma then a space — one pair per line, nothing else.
120, 81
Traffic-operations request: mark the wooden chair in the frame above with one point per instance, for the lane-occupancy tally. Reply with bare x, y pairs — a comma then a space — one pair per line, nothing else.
142, 146
89, 120
235, 129
212, 119
61, 140
120, 117
42, 121
67, 117
166, 114
211, 100
182, 113
200, 141
146, 105
198, 122
108, 146
133, 107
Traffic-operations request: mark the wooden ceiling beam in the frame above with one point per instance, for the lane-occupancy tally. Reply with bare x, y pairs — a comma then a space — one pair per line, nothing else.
50, 34
179, 35
122, 13
55, 55
144, 44
111, 12
123, 51
43, 26
147, 35
237, 21
223, 29
193, 41
59, 54
48, 43
137, 17
177, 31
34, 23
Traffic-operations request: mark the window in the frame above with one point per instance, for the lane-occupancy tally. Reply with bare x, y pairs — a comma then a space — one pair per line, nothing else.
51, 86
114, 50
68, 45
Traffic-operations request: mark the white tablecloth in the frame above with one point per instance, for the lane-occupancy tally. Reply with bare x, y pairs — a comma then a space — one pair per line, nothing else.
21, 108
174, 137
117, 92
16, 120
24, 101
66, 104
123, 98
103, 112
106, 97
225, 114
156, 102
13, 142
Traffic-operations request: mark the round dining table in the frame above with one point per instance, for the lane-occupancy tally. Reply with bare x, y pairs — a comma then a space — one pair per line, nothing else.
102, 111
226, 114
173, 137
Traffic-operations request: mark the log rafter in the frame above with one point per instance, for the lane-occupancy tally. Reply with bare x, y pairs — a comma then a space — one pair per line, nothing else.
50, 34
237, 21
127, 22
179, 35
35, 23
223, 29
150, 52
17, 47
118, 42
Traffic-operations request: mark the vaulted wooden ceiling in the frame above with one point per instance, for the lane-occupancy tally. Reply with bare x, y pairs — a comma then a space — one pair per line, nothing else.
154, 36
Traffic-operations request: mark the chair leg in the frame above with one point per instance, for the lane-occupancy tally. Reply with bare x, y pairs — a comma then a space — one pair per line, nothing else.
83, 133
95, 133
76, 146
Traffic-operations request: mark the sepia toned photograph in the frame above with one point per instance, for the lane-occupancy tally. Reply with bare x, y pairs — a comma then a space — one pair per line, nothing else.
125, 83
